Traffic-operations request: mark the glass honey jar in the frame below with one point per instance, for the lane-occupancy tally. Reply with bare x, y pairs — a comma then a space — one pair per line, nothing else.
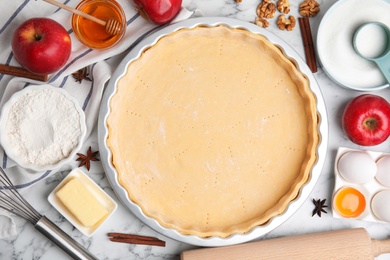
92, 34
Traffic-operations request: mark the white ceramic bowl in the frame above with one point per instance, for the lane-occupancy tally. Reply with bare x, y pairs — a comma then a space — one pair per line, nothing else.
335, 49
21, 143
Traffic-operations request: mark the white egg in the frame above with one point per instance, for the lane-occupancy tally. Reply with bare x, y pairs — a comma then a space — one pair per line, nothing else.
357, 167
380, 205
383, 172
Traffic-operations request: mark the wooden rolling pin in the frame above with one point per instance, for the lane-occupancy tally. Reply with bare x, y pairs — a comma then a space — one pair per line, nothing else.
343, 244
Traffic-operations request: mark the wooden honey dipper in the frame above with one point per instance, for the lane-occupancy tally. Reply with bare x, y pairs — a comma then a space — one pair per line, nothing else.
112, 26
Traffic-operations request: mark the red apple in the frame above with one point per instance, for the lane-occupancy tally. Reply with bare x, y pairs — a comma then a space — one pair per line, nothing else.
41, 45
158, 11
366, 120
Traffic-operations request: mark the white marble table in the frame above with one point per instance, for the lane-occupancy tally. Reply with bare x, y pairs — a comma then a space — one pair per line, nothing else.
29, 244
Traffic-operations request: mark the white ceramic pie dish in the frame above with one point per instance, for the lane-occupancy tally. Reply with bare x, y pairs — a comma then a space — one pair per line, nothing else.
106, 154
71, 103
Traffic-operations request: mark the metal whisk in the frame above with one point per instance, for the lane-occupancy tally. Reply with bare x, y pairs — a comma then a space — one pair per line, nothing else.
12, 201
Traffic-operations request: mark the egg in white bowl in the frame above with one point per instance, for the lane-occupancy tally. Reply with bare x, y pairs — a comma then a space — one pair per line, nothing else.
42, 127
383, 172
357, 167
380, 205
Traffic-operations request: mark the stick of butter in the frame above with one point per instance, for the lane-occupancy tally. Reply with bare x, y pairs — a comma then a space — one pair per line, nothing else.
81, 203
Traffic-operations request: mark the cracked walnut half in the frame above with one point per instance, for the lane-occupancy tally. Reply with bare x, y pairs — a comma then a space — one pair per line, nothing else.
286, 23
309, 8
266, 9
284, 6
261, 22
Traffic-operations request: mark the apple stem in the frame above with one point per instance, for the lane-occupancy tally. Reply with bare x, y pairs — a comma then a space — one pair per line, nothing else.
371, 123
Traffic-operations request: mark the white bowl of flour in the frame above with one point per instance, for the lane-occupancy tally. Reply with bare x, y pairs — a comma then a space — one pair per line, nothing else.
335, 47
42, 127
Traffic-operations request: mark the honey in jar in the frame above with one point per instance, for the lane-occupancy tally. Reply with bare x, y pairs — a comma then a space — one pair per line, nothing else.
93, 34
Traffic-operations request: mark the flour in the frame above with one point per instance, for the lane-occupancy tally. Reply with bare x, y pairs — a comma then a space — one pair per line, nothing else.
43, 126
335, 42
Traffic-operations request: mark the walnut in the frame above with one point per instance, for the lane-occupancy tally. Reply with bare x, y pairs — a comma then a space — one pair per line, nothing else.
309, 8
266, 9
284, 6
261, 22
285, 23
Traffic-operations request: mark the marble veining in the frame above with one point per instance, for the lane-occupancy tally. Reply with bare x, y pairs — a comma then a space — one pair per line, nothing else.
30, 244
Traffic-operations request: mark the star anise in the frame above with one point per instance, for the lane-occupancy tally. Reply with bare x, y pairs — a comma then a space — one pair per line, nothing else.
319, 207
86, 159
81, 74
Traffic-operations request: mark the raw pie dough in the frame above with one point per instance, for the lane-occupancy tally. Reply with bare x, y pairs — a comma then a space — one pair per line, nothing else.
213, 131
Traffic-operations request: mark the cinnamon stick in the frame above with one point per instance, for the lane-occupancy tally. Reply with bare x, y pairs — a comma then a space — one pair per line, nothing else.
135, 239
308, 45
21, 72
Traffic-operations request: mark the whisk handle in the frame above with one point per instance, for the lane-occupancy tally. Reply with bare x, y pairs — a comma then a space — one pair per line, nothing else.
62, 240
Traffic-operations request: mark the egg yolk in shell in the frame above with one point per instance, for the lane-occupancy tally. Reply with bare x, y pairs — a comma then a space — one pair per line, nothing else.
349, 202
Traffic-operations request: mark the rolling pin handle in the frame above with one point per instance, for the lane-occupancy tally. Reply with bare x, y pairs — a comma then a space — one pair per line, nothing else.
380, 247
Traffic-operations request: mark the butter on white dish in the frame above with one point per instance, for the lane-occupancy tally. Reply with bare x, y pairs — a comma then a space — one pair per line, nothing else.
82, 202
